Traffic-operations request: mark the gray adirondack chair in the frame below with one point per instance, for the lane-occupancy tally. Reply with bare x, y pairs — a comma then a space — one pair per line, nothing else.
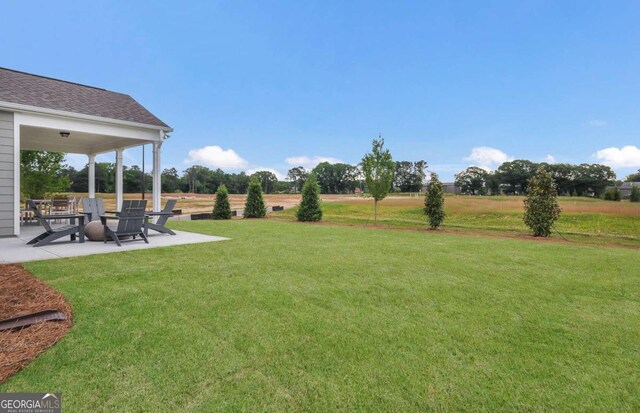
163, 216
51, 234
133, 203
92, 208
131, 222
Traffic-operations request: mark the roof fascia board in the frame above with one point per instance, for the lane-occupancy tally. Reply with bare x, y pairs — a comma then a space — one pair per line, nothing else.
54, 112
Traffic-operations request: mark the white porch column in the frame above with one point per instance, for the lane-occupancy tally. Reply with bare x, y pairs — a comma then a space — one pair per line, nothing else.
92, 176
119, 179
16, 174
157, 181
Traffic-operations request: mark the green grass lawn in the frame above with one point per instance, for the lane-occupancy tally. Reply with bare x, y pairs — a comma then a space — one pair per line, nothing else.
299, 317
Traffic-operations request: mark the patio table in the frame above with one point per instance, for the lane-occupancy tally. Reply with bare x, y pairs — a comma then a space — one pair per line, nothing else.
43, 204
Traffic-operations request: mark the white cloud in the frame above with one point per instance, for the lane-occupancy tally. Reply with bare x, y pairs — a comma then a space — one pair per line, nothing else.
550, 159
625, 157
597, 122
487, 158
75, 160
217, 157
280, 175
310, 162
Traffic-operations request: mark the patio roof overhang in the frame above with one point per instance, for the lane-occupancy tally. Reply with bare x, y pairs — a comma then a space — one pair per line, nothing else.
49, 139
40, 130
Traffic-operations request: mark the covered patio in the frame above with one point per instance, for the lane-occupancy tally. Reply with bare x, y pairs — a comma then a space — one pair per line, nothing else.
44, 114
43, 133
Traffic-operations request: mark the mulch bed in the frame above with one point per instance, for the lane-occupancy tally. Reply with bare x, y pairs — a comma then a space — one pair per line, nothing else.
22, 293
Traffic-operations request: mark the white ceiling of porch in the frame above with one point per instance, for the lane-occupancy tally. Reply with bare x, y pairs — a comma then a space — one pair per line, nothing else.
45, 139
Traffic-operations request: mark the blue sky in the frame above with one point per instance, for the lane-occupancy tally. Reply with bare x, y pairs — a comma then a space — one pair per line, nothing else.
268, 84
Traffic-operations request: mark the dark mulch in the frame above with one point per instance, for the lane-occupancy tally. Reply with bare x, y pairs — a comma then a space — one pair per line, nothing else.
22, 293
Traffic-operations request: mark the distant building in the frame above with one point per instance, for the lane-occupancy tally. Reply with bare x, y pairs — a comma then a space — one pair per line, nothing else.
625, 188
451, 188
447, 188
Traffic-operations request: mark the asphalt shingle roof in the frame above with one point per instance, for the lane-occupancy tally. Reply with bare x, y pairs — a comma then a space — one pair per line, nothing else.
44, 92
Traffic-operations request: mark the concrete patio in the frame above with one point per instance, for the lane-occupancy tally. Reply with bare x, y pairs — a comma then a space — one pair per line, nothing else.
15, 249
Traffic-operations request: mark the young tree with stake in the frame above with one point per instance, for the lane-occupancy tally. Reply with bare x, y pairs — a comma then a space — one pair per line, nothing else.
379, 169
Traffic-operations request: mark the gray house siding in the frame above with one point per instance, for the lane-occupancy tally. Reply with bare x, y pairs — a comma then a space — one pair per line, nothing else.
7, 213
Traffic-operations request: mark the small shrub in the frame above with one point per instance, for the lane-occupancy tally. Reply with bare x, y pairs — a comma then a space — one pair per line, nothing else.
611, 194
635, 194
222, 209
434, 202
541, 205
309, 209
254, 207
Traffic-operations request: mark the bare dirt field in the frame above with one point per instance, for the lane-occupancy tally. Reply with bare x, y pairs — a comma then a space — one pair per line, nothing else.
194, 203
204, 202
487, 204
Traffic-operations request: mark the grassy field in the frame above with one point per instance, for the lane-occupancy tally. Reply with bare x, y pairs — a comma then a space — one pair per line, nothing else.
303, 317
583, 220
